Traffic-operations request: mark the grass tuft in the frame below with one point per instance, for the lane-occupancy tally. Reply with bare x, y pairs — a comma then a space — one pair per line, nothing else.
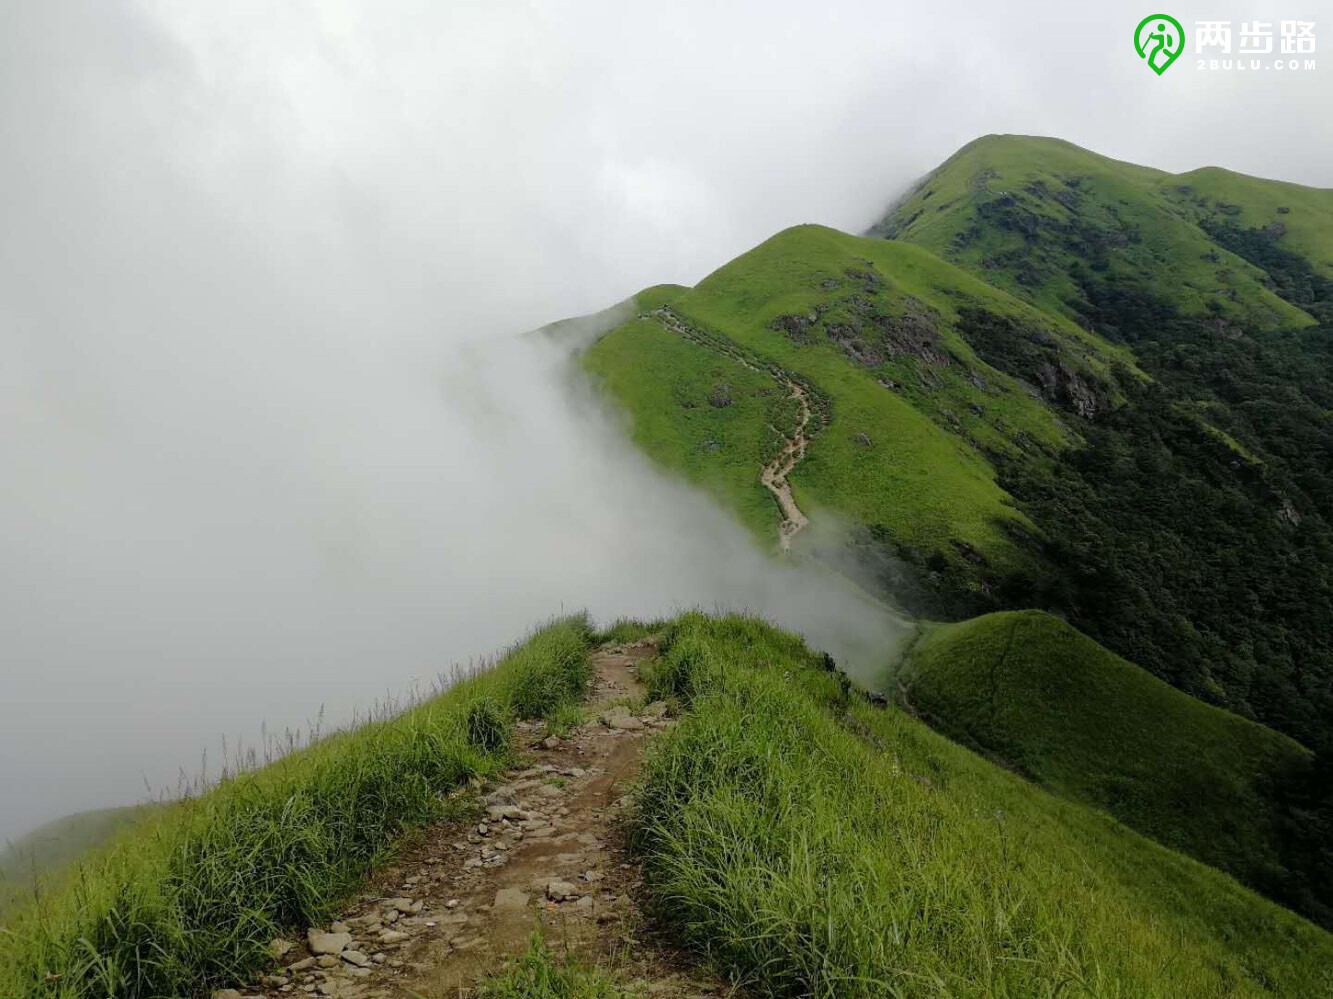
540, 973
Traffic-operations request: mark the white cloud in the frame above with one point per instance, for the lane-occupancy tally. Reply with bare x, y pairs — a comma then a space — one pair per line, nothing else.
265, 443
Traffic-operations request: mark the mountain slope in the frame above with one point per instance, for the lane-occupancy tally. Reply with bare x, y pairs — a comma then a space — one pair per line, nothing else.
1190, 531
1026, 688
789, 833
1065, 227
49, 849
812, 844
907, 411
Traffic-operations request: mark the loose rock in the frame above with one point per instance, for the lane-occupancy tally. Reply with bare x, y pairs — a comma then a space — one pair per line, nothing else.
558, 891
280, 948
328, 943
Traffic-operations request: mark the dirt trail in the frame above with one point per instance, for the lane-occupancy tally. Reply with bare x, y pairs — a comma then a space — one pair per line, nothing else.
547, 850
774, 474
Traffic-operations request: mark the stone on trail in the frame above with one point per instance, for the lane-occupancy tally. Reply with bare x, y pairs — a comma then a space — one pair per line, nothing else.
227, 994
558, 891
392, 936
328, 943
280, 948
355, 957
619, 718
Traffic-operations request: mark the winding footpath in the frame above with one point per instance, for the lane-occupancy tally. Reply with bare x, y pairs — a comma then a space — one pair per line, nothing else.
546, 850
772, 475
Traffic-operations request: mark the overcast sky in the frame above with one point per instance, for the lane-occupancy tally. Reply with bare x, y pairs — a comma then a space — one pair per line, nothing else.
266, 439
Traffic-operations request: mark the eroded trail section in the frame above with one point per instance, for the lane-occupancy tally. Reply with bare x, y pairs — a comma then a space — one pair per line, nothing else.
546, 848
772, 475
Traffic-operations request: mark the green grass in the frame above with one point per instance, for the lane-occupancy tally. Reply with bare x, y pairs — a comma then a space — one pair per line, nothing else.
1028, 212
540, 973
901, 435
42, 854
814, 845
191, 899
1308, 218
1053, 704
670, 381
625, 629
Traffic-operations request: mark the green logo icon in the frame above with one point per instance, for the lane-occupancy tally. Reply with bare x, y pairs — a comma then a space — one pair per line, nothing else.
1160, 39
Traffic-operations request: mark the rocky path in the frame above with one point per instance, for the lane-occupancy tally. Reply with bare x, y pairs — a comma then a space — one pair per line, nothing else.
546, 848
774, 474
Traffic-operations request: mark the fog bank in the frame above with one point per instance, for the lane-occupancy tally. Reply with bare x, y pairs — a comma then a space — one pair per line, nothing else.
269, 439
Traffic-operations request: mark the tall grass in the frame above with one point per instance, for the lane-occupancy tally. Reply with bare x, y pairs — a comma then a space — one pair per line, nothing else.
814, 845
191, 899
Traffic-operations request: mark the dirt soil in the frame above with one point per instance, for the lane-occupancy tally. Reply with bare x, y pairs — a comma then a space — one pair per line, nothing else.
546, 849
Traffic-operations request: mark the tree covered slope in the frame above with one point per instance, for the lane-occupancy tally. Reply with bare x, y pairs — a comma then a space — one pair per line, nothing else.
1190, 531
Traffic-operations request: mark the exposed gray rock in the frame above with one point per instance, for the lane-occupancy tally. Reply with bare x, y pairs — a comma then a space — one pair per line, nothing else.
328, 943
619, 719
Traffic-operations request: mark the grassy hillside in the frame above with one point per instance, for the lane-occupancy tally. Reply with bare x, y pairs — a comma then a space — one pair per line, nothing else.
1304, 213
792, 835
1060, 225
814, 845
49, 849
988, 452
192, 899
907, 408
1191, 529
1055, 706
